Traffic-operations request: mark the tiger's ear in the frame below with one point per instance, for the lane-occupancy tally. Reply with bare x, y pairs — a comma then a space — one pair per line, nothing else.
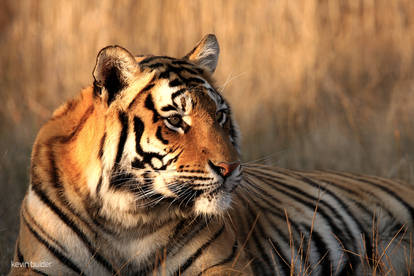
114, 70
206, 53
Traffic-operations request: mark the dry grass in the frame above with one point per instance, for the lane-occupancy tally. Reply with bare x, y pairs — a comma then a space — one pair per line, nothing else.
314, 84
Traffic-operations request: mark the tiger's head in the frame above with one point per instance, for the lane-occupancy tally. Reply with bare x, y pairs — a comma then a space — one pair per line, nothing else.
170, 141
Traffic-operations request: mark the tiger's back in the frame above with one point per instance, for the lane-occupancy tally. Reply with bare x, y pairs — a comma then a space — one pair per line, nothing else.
325, 223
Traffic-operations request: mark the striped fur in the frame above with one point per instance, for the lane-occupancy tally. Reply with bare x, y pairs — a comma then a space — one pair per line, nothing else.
324, 223
140, 175
133, 176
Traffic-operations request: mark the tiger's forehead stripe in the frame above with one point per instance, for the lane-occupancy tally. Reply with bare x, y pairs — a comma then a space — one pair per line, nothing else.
177, 80
170, 100
147, 85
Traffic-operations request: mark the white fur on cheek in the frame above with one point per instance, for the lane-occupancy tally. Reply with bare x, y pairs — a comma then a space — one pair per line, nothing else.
161, 187
214, 206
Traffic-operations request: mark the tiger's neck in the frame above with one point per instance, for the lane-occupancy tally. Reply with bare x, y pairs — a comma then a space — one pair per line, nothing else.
68, 159
64, 158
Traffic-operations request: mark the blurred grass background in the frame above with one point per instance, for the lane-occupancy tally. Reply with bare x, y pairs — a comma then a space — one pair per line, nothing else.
313, 84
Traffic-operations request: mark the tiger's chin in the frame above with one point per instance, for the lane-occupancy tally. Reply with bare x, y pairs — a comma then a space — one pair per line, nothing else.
209, 205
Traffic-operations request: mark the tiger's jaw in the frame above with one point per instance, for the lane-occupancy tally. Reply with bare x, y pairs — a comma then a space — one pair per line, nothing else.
214, 203
209, 194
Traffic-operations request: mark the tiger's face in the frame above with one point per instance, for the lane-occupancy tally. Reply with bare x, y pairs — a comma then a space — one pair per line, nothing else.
176, 145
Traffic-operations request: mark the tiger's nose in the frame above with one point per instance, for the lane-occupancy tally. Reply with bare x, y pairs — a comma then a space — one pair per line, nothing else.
224, 169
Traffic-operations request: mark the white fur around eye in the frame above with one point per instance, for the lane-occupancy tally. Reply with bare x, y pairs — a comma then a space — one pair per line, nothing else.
187, 120
223, 118
176, 129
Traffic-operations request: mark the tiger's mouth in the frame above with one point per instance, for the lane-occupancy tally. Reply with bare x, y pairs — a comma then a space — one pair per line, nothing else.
187, 195
206, 194
209, 198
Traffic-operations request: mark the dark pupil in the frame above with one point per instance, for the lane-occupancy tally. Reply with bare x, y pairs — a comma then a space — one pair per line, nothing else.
220, 116
175, 120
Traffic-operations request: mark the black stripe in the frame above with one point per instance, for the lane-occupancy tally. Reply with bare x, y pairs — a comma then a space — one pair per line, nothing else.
181, 62
39, 272
158, 134
195, 177
196, 80
359, 204
146, 156
21, 260
137, 164
280, 254
178, 70
366, 236
272, 212
260, 230
69, 106
391, 193
175, 82
354, 260
54, 172
71, 224
123, 118
151, 267
168, 108
101, 146
79, 126
197, 254
149, 104
337, 231
352, 192
165, 74
233, 132
191, 71
95, 219
62, 258
150, 85
185, 127
56, 182
20, 257
99, 186
177, 93
263, 256
323, 251
42, 231
177, 241
151, 58
226, 260
199, 70
177, 229
244, 226
321, 246
139, 130
156, 65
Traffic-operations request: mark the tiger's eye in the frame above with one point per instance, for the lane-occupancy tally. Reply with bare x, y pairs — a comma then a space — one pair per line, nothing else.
175, 120
221, 116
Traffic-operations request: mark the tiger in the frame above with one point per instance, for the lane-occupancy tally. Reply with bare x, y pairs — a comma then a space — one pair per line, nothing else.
131, 176
141, 174
324, 222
